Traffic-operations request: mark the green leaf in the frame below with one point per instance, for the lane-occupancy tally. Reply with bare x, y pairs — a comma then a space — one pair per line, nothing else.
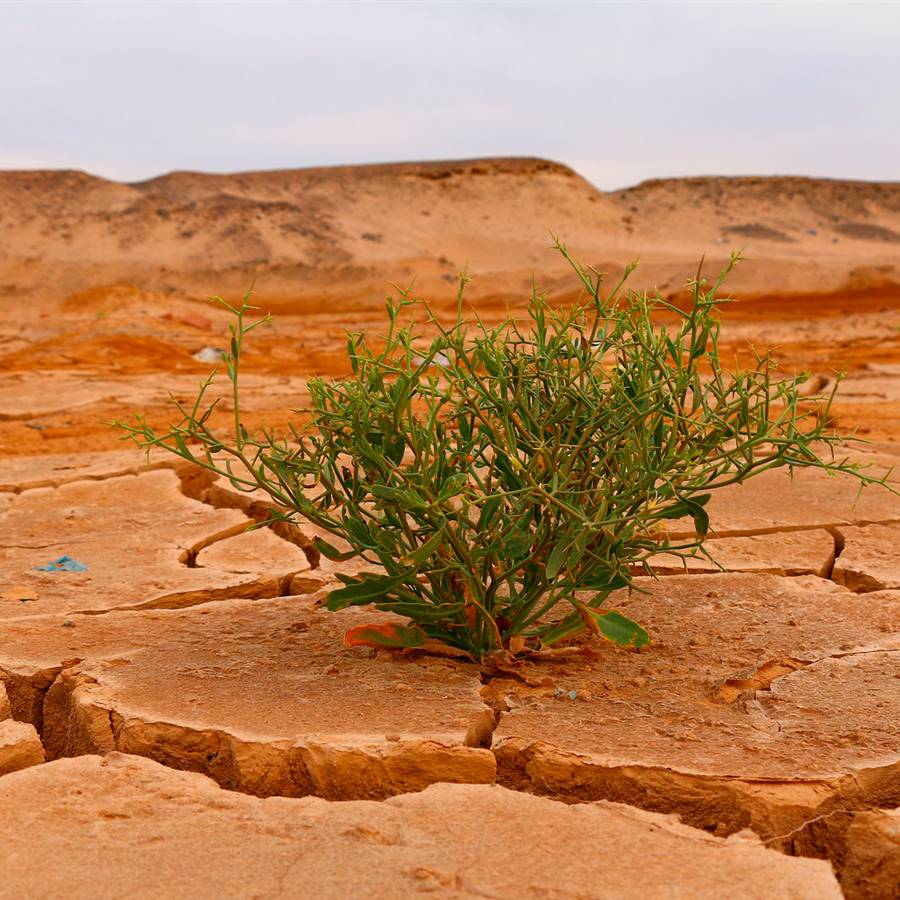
396, 495
570, 625
501, 461
369, 590
694, 509
579, 546
330, 551
427, 549
358, 533
394, 448
620, 629
568, 550
556, 559
454, 485
701, 520
488, 509
602, 581
517, 542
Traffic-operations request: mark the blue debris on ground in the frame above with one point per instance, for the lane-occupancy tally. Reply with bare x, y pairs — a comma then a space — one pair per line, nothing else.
63, 564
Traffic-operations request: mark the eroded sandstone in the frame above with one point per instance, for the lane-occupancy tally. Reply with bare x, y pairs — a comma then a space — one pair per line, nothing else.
156, 832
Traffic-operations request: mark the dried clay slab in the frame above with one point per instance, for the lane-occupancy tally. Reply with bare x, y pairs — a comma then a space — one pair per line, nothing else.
150, 835
135, 535
762, 702
871, 869
20, 746
262, 696
870, 558
775, 501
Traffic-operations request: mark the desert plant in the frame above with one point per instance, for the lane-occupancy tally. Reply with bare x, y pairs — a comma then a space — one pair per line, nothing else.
503, 481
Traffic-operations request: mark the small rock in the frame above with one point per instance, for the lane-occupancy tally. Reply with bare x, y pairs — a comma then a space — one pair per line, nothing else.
20, 746
872, 868
209, 355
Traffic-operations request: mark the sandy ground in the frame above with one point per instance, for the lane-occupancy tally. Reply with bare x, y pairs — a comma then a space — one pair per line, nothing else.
752, 751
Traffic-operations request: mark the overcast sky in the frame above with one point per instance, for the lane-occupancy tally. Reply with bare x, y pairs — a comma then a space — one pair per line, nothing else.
621, 92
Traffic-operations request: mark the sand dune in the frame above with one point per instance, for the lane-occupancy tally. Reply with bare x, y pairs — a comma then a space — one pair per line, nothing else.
309, 235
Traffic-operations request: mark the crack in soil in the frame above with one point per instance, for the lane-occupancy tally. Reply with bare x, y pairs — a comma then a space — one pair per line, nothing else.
189, 556
200, 484
828, 526
265, 588
62, 480
817, 812
860, 582
57, 700
761, 679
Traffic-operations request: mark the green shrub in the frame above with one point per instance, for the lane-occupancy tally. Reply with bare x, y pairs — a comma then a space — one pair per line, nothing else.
503, 481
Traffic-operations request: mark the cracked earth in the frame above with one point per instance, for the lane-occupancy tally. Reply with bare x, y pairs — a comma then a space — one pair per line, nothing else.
192, 657
184, 709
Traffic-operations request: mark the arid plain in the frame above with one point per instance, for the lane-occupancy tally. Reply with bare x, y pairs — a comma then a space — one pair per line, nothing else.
753, 750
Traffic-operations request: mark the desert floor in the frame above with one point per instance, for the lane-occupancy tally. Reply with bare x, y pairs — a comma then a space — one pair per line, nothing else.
182, 719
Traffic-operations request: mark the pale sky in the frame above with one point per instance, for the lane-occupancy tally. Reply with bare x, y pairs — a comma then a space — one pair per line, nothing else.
620, 91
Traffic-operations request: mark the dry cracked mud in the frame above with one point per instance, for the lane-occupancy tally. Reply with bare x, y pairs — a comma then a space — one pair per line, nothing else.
787, 720
141, 540
262, 697
764, 715
165, 833
786, 727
